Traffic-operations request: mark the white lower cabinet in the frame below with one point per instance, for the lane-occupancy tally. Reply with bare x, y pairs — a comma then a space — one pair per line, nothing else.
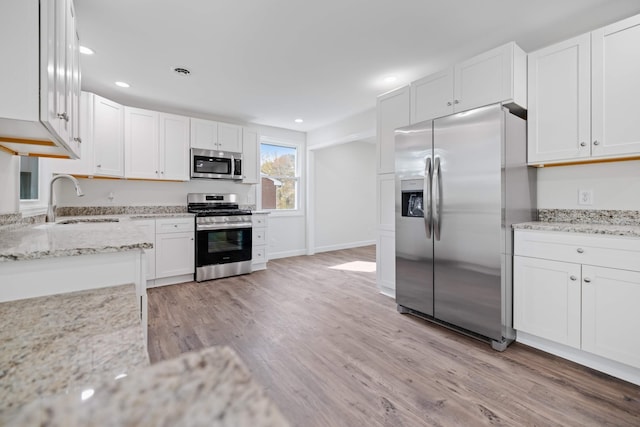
172, 259
580, 291
259, 255
386, 238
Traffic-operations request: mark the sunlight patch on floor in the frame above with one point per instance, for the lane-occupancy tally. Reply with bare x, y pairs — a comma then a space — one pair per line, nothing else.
361, 266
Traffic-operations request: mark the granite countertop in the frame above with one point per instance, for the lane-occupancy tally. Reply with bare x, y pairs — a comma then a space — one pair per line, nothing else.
210, 387
67, 343
606, 229
50, 240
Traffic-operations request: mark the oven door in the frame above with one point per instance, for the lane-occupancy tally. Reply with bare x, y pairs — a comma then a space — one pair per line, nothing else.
223, 244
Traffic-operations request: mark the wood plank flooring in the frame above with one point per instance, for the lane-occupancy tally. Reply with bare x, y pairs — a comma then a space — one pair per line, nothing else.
332, 351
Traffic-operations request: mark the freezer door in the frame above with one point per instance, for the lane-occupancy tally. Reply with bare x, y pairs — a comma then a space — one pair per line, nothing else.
414, 248
467, 220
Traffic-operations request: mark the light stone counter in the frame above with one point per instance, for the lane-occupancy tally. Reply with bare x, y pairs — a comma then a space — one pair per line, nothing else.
207, 388
607, 229
51, 240
67, 343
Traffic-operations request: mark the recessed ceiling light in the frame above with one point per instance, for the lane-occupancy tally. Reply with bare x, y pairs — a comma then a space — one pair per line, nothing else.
86, 51
390, 79
123, 84
182, 71
298, 120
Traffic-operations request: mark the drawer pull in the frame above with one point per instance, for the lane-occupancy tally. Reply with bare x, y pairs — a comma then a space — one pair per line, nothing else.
580, 250
587, 280
574, 278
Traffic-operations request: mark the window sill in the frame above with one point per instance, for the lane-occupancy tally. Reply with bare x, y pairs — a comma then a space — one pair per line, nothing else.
284, 213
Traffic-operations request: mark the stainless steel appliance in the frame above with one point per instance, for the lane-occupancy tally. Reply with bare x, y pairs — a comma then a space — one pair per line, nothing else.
461, 181
223, 236
213, 164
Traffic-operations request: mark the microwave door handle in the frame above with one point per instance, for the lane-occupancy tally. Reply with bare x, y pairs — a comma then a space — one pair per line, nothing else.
427, 185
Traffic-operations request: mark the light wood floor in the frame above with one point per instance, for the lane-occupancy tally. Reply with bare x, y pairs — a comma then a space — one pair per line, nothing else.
332, 351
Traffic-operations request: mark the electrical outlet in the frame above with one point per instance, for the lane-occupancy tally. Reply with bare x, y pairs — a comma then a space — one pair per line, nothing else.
585, 197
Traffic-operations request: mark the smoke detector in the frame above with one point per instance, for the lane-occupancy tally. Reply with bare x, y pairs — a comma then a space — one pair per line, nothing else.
182, 71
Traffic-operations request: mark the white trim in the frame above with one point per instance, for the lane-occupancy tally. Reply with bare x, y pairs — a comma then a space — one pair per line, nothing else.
287, 254
311, 204
26, 210
349, 245
616, 369
391, 293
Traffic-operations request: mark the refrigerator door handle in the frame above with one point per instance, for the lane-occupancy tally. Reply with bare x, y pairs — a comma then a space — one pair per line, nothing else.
427, 185
437, 198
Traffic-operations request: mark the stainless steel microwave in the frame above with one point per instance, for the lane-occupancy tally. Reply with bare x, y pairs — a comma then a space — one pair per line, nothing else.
210, 164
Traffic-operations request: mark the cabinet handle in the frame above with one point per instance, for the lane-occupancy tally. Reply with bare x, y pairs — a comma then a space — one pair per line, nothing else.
78, 140
596, 142
98, 166
580, 250
455, 101
449, 104
63, 116
587, 280
583, 144
574, 278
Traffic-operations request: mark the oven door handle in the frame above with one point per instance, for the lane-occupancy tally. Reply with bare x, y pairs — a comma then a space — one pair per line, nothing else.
210, 227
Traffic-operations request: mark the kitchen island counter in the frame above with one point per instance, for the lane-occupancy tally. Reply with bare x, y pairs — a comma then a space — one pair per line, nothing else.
586, 228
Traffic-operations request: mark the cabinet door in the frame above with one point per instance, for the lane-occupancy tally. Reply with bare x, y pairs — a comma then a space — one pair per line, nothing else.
174, 147
386, 262
484, 79
616, 89
432, 96
75, 138
175, 254
204, 134
229, 137
393, 111
148, 228
610, 314
546, 299
84, 164
141, 143
559, 101
250, 152
108, 137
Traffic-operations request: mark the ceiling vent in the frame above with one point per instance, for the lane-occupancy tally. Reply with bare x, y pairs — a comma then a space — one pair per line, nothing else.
182, 71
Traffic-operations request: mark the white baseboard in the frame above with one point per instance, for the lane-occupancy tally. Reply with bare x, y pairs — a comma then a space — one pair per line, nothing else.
613, 368
348, 245
287, 254
170, 280
391, 293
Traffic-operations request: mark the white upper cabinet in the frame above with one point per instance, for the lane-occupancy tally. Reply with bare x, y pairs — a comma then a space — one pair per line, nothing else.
393, 111
229, 137
174, 147
250, 151
432, 96
40, 89
156, 145
560, 101
141, 158
498, 75
210, 135
107, 123
615, 128
584, 97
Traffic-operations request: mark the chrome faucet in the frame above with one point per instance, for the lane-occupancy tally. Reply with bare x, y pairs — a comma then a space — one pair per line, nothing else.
51, 209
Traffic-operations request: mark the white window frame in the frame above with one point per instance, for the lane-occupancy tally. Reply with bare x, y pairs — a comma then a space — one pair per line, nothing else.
32, 207
300, 162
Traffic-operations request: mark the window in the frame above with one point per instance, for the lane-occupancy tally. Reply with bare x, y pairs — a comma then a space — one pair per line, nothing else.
29, 178
279, 172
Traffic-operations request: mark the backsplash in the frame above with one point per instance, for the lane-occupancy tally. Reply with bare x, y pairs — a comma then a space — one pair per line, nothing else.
118, 210
590, 216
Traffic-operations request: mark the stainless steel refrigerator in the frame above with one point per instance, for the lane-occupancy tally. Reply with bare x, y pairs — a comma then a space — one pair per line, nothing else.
461, 181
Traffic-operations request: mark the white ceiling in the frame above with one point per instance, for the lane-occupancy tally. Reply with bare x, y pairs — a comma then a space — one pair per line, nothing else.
272, 61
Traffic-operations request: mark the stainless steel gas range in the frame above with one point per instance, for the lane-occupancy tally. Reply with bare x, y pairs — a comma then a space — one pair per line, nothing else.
223, 235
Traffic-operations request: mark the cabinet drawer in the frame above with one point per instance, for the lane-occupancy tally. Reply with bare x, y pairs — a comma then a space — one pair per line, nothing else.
607, 251
259, 220
174, 225
258, 255
259, 236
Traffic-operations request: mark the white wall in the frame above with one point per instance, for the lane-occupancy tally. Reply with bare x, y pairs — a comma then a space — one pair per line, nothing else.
361, 126
615, 186
344, 187
9, 183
